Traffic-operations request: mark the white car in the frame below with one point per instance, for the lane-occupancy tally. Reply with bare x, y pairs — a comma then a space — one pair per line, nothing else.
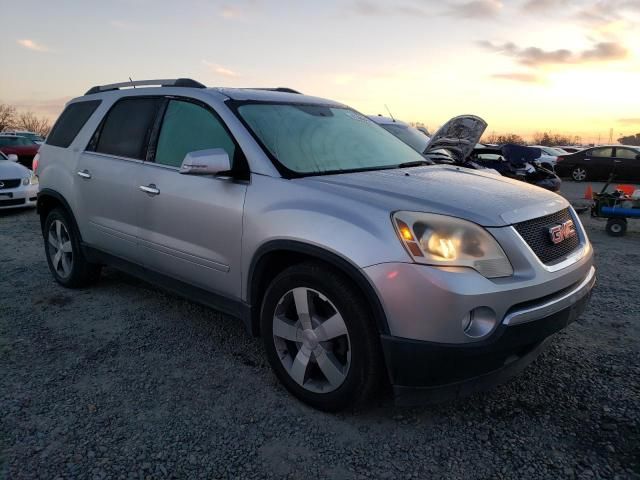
549, 155
18, 184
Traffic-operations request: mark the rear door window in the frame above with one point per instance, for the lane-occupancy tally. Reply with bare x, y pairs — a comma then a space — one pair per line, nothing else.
602, 152
626, 153
127, 127
188, 127
70, 122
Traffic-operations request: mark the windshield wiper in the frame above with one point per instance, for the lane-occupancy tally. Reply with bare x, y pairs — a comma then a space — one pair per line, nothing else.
415, 163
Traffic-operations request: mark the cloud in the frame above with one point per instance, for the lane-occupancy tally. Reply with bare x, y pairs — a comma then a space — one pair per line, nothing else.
535, 57
476, 9
220, 70
50, 108
122, 25
629, 121
468, 9
31, 45
370, 8
518, 77
230, 12
544, 5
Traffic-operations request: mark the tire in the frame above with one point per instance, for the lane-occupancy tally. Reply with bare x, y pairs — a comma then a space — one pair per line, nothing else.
68, 264
345, 369
616, 227
579, 173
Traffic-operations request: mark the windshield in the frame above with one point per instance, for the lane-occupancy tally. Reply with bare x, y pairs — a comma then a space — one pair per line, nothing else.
409, 135
3, 156
316, 139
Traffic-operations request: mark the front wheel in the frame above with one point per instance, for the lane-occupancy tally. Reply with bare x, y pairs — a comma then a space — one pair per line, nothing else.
616, 227
579, 174
64, 254
319, 337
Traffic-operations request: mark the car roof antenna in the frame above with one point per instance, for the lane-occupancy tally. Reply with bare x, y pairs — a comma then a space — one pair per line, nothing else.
390, 114
132, 83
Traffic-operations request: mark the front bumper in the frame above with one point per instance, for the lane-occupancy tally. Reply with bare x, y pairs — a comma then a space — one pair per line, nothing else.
22, 196
423, 372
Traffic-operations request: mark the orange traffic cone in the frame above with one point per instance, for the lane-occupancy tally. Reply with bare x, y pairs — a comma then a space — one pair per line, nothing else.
588, 193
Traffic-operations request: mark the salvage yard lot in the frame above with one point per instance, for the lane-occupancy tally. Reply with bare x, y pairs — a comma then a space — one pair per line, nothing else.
124, 381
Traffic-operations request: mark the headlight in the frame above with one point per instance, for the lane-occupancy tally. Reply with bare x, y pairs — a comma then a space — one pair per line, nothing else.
31, 180
447, 241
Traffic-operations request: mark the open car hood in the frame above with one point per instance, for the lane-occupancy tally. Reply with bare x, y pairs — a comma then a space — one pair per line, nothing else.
459, 136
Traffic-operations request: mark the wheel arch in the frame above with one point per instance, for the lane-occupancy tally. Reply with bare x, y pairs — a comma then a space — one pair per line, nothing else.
48, 200
277, 255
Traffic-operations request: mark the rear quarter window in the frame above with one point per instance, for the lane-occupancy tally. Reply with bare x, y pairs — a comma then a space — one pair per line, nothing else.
70, 122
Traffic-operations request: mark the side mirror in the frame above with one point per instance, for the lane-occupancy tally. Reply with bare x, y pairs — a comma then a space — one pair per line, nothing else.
206, 162
12, 157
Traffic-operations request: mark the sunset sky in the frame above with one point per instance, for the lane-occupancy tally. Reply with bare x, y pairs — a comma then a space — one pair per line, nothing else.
569, 66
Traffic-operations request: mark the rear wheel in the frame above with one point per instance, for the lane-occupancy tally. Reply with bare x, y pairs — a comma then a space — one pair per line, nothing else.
64, 255
616, 227
579, 174
319, 337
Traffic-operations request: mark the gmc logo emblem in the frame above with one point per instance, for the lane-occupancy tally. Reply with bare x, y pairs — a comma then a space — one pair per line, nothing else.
559, 233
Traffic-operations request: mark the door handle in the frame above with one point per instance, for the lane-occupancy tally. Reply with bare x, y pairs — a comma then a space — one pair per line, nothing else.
151, 189
617, 161
84, 173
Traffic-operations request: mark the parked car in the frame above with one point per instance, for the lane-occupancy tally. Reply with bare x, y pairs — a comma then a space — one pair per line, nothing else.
24, 148
549, 155
33, 136
598, 163
571, 149
18, 184
413, 137
325, 234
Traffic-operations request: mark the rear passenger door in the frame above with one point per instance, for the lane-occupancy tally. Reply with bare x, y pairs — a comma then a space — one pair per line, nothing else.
627, 164
108, 174
600, 162
191, 225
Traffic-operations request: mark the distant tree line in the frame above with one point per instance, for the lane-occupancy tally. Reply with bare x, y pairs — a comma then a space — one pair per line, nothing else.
12, 119
630, 140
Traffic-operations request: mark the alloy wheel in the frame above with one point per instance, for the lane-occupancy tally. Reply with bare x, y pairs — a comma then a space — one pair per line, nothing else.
60, 249
311, 340
579, 174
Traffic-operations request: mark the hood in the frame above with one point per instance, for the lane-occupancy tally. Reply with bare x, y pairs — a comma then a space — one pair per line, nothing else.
459, 135
488, 200
9, 169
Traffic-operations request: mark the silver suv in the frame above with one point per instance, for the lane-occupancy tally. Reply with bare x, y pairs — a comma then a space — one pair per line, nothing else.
358, 265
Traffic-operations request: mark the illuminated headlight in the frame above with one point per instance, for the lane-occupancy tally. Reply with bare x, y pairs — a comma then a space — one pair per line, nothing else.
448, 241
30, 180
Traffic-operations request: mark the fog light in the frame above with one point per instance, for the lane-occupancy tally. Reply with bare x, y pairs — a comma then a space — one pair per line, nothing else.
479, 322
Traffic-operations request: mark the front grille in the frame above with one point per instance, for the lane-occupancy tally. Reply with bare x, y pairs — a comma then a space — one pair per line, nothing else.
536, 233
11, 203
12, 183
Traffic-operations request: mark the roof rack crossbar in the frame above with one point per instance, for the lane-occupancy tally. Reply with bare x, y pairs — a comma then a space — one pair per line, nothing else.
176, 82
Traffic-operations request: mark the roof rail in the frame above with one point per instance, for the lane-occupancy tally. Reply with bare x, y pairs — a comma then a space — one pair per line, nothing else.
176, 82
278, 89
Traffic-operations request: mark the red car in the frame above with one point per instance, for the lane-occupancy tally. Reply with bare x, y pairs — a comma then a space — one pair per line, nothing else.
24, 148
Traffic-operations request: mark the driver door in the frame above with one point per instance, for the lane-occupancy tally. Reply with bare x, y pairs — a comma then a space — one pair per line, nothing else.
191, 225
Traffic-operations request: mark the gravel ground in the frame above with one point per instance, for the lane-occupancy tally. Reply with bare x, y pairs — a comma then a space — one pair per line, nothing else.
124, 381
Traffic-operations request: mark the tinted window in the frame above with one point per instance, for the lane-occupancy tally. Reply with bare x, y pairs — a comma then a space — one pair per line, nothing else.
126, 129
70, 122
626, 153
24, 141
188, 127
4, 141
602, 152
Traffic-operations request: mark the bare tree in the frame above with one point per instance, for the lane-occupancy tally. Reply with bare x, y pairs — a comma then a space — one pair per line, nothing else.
501, 139
7, 116
29, 121
630, 140
551, 139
